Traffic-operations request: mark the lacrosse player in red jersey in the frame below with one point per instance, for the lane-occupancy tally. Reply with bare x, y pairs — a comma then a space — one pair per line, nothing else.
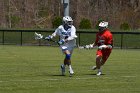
67, 33
104, 41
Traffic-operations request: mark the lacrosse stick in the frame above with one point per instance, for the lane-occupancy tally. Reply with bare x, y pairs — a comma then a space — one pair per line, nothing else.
39, 37
90, 46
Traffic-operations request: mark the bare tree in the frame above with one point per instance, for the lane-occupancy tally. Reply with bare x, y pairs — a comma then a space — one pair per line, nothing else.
39, 13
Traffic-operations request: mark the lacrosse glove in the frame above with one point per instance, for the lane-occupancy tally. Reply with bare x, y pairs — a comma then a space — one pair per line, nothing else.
104, 47
61, 42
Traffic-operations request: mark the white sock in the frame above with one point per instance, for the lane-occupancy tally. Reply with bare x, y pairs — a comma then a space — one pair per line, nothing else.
70, 67
99, 70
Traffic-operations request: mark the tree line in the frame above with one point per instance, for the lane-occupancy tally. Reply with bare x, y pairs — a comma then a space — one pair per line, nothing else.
41, 13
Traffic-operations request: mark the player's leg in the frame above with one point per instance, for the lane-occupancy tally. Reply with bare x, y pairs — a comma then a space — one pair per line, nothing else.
98, 61
101, 59
98, 64
105, 56
63, 69
63, 48
67, 61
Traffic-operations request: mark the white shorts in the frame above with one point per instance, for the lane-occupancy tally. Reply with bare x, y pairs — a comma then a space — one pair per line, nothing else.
64, 48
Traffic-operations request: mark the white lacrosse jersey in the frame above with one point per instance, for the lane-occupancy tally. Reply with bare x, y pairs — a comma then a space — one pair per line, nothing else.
70, 32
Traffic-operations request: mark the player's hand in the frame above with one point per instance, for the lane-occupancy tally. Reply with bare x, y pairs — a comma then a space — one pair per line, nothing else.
48, 38
102, 47
61, 42
109, 46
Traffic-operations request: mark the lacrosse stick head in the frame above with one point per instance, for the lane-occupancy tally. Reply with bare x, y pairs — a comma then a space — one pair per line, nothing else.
38, 36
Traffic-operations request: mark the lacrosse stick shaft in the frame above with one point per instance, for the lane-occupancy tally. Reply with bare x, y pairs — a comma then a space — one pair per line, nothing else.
39, 36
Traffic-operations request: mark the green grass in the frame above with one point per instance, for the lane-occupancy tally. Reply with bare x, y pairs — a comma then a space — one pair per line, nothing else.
34, 69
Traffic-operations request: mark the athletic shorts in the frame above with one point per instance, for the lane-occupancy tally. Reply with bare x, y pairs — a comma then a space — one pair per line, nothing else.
64, 48
104, 53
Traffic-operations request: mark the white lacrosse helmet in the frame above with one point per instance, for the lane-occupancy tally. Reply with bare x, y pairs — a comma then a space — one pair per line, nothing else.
103, 24
67, 20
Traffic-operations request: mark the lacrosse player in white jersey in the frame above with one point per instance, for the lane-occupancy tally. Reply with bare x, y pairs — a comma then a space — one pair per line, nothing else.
67, 33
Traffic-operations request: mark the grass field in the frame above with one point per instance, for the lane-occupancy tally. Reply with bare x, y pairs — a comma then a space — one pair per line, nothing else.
36, 69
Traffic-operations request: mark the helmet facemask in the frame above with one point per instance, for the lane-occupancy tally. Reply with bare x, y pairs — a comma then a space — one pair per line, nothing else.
69, 23
101, 29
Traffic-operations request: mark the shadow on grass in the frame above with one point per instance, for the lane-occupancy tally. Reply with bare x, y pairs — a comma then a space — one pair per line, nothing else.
58, 75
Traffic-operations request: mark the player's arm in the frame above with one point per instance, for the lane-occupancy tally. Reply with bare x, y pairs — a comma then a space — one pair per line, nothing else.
92, 45
53, 35
110, 40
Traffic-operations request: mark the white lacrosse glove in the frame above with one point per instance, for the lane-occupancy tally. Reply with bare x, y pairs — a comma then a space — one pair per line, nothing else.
61, 42
104, 47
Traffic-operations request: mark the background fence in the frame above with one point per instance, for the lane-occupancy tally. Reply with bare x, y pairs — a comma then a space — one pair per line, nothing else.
26, 37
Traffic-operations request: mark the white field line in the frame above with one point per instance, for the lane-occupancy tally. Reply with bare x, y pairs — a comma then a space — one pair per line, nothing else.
56, 79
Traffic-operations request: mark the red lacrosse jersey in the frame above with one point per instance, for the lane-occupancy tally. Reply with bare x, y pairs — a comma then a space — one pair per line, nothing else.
104, 38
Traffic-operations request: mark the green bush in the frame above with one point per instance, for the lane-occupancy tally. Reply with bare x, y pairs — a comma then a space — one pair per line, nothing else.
15, 20
125, 26
85, 24
56, 22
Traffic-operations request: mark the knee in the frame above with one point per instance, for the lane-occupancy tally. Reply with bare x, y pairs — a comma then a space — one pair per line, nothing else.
98, 58
68, 56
